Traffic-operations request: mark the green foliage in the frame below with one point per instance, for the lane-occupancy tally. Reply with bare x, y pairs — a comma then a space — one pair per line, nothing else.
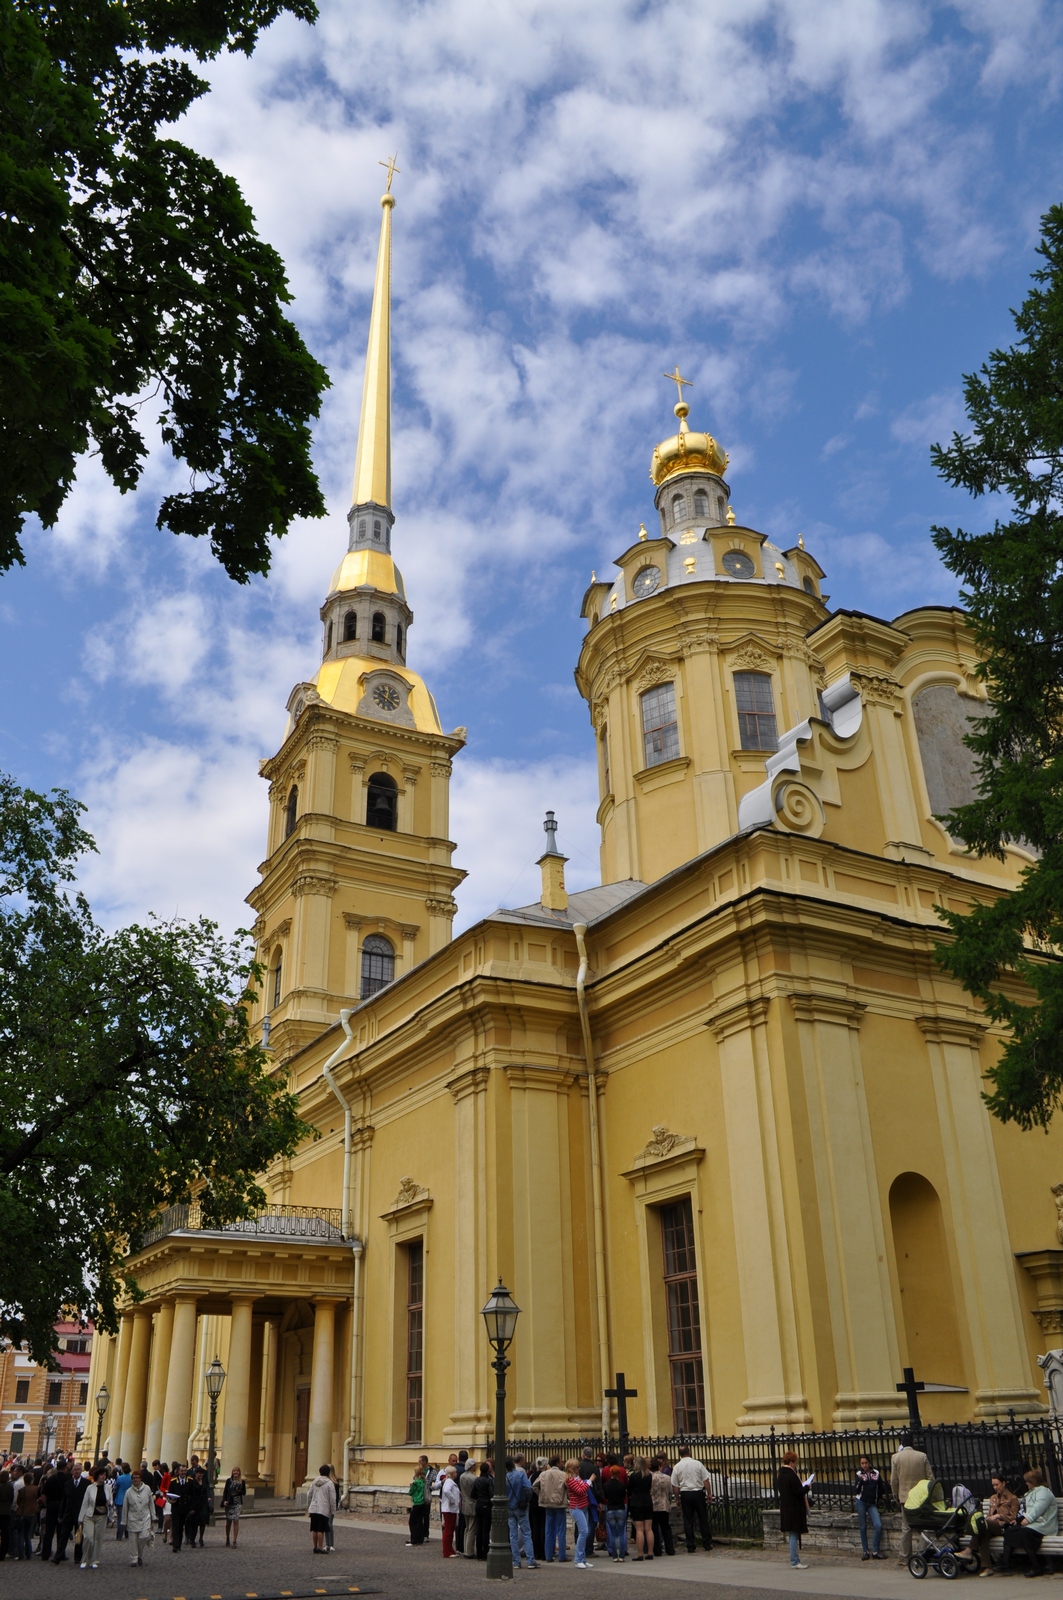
129, 264
128, 1078
1013, 590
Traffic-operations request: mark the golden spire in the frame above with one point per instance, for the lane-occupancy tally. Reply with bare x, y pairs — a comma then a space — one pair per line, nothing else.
372, 466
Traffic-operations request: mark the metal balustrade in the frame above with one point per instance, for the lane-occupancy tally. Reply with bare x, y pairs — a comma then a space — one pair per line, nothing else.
281, 1222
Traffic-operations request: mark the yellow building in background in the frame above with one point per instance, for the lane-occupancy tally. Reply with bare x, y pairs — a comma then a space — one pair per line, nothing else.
717, 1122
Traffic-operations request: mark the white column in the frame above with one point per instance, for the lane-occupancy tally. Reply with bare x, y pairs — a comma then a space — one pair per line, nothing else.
319, 1435
177, 1410
238, 1388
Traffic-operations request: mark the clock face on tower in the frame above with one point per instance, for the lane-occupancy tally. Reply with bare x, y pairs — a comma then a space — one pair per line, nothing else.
646, 580
386, 697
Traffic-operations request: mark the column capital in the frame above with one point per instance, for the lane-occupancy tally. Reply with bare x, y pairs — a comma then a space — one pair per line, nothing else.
837, 1008
740, 1017
952, 1030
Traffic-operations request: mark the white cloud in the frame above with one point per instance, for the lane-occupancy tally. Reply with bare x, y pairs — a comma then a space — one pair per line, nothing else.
930, 421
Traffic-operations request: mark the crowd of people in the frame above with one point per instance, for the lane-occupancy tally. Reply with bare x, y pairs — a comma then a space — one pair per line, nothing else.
48, 1507
620, 1508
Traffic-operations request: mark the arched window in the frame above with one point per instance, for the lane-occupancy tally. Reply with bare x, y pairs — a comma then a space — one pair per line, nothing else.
361, 529
398, 637
328, 638
382, 802
275, 979
929, 1299
756, 711
378, 964
376, 530
290, 812
701, 504
350, 625
380, 627
660, 735
677, 507
808, 585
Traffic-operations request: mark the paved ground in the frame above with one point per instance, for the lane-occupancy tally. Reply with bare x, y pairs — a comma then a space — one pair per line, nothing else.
274, 1560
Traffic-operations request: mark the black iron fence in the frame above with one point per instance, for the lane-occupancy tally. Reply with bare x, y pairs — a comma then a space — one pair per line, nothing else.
742, 1468
298, 1222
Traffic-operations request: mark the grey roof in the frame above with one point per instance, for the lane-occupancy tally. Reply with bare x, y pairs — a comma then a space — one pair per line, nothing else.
586, 905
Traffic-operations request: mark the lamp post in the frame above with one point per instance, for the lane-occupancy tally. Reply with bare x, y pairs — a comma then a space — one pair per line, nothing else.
500, 1315
103, 1400
215, 1379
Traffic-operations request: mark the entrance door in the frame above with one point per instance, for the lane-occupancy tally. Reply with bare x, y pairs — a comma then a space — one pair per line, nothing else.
302, 1427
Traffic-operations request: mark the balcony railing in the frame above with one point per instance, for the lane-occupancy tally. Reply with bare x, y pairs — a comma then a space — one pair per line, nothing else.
279, 1222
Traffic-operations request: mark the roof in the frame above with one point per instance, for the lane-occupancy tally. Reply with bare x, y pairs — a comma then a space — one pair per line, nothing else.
586, 905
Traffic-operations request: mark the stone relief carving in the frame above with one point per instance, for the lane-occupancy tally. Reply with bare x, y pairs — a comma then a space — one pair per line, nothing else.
751, 659
599, 713
662, 1141
875, 688
1051, 1364
1057, 1195
653, 672
409, 1194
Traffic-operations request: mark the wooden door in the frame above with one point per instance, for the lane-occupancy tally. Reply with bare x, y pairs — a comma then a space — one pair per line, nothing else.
302, 1428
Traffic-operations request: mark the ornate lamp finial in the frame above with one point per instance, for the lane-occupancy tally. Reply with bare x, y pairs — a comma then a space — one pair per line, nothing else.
731, 518
642, 532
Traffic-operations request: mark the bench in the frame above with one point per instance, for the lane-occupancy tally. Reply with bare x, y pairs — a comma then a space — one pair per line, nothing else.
1051, 1544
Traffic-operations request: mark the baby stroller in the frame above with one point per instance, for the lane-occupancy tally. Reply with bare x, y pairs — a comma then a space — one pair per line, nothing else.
938, 1532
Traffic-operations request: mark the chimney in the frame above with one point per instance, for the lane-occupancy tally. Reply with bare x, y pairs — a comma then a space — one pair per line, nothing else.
552, 863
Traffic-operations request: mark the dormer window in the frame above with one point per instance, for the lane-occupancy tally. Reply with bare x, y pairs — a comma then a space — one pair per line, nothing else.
350, 626
701, 505
380, 628
291, 811
808, 586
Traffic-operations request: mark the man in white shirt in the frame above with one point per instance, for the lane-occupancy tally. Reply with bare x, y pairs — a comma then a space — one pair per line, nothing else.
690, 1483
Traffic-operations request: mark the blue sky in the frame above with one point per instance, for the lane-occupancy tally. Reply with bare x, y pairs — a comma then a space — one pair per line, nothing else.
822, 211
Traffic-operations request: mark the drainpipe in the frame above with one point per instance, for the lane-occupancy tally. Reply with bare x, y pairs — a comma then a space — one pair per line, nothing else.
357, 1245
580, 930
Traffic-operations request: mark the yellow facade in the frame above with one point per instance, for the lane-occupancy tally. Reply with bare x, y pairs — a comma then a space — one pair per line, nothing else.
745, 1019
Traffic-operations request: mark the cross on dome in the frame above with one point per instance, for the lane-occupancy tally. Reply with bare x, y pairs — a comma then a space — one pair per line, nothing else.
392, 165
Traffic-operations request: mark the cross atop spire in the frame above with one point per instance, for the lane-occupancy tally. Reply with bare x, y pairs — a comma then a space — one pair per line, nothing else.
677, 378
392, 165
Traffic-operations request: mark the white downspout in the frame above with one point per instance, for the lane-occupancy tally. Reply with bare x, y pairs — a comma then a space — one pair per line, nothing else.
357, 1245
580, 930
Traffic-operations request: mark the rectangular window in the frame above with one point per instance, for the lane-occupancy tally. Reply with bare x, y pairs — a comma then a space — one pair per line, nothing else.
415, 1342
684, 1318
83, 1394
22, 1391
659, 732
756, 711
607, 775
55, 1393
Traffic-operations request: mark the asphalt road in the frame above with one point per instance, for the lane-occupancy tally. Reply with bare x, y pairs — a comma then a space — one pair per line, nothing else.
274, 1559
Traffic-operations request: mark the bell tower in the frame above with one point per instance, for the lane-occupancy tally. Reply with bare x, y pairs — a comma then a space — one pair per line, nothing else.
357, 886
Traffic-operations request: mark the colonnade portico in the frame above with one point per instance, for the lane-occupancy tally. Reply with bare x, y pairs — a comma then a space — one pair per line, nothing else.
270, 1293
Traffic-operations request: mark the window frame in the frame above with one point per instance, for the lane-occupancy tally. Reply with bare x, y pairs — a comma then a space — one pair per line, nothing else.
753, 721
378, 628
413, 1251
369, 982
678, 1299
664, 732
382, 783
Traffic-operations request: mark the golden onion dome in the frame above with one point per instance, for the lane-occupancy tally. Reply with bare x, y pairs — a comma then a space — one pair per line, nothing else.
687, 452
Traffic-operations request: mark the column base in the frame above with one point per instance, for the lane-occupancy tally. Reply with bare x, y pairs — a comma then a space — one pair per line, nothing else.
999, 1402
789, 1412
867, 1407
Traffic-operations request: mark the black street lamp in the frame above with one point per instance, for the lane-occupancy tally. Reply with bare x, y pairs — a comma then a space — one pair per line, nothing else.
103, 1400
215, 1379
500, 1314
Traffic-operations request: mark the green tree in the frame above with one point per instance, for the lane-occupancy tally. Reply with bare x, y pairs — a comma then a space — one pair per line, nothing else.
130, 270
1006, 953
128, 1078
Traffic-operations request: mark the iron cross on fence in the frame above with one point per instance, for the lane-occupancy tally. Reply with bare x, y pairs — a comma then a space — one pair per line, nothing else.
621, 1395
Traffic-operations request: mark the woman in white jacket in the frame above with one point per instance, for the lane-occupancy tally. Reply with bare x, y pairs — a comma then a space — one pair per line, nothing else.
95, 1504
138, 1516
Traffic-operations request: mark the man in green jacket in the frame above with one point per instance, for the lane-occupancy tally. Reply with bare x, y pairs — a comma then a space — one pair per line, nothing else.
420, 1509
